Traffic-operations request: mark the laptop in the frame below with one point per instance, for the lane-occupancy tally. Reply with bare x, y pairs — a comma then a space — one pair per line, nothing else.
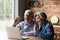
14, 32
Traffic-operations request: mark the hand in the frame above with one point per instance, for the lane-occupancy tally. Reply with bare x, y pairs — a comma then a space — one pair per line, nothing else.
21, 32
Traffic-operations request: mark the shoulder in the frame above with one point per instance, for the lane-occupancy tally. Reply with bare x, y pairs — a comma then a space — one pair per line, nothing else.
21, 23
49, 24
49, 27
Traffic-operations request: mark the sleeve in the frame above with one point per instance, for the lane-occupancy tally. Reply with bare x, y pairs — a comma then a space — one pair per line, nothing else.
29, 33
19, 26
47, 34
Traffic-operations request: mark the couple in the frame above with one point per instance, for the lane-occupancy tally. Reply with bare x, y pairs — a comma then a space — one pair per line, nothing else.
41, 28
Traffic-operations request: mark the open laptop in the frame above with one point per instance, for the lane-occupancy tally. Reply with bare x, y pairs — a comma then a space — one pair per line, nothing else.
14, 32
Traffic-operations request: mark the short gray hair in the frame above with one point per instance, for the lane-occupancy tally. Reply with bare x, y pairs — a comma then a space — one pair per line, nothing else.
42, 15
27, 11
30, 12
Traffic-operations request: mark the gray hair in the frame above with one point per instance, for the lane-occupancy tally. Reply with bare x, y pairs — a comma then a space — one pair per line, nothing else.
28, 11
42, 15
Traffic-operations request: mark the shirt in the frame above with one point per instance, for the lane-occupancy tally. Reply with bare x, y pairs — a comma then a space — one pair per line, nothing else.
46, 31
28, 28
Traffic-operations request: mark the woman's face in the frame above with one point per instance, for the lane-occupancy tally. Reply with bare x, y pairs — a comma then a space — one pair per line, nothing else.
37, 18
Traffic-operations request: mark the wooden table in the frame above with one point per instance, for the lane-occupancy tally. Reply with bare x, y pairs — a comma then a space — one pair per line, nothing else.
30, 38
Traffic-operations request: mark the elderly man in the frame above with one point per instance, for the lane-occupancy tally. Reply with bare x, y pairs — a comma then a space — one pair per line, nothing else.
27, 26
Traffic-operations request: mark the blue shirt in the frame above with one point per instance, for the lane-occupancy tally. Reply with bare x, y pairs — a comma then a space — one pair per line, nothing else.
46, 31
28, 28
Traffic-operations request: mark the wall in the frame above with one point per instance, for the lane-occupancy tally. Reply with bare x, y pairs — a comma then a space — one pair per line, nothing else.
21, 7
51, 7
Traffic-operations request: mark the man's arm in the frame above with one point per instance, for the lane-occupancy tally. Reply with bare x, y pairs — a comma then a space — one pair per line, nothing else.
20, 25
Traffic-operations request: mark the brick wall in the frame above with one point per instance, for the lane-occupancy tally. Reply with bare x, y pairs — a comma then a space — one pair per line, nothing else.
51, 7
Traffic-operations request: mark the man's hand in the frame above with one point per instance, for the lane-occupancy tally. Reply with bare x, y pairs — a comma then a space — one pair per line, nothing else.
21, 32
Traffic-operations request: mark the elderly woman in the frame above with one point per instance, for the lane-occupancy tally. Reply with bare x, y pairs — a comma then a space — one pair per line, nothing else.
44, 29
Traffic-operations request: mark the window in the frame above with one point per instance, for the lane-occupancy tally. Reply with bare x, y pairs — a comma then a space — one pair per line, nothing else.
6, 12
6, 9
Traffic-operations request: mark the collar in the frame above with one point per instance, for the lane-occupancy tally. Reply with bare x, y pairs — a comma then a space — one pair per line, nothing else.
26, 23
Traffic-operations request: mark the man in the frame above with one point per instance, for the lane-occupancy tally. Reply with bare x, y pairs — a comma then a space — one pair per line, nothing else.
45, 30
27, 26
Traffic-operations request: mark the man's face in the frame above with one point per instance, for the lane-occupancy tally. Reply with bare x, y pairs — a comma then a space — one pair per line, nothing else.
28, 17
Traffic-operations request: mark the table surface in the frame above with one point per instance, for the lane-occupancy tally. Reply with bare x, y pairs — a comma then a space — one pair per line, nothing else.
3, 35
29, 38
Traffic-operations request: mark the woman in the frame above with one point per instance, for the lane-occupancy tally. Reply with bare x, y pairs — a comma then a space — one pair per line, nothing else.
44, 29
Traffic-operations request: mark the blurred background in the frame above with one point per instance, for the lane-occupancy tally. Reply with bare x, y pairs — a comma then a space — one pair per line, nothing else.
10, 9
